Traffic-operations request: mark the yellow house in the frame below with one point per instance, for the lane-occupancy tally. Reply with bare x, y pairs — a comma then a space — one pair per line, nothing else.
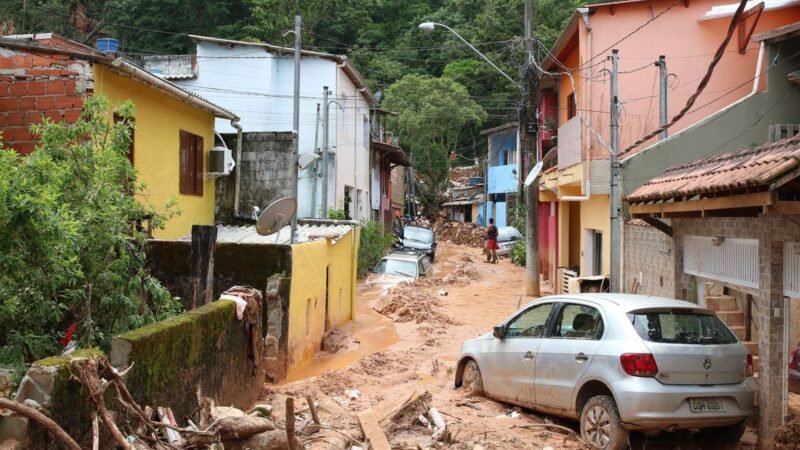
173, 136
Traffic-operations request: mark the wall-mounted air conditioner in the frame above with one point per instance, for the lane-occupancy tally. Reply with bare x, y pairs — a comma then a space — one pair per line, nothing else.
221, 162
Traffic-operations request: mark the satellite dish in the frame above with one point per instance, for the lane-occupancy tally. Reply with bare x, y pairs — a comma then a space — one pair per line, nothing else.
306, 159
278, 214
533, 174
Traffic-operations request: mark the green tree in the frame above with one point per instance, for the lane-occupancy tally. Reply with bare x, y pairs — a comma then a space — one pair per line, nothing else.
68, 252
433, 113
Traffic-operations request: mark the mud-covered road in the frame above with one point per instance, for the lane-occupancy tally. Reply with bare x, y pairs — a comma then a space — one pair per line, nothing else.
406, 341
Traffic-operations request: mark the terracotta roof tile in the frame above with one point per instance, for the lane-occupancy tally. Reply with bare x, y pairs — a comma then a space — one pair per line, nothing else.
726, 172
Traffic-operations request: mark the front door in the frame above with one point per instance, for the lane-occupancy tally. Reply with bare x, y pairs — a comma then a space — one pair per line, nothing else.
510, 372
565, 354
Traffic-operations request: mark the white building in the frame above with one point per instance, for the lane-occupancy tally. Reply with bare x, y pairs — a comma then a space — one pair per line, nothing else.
256, 82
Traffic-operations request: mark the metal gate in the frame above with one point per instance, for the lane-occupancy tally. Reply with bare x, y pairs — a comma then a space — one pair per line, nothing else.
729, 260
791, 269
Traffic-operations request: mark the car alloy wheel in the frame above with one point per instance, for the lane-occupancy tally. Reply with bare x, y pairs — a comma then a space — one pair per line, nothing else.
601, 426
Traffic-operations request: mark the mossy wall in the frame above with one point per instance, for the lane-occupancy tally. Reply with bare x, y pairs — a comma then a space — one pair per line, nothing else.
234, 264
201, 351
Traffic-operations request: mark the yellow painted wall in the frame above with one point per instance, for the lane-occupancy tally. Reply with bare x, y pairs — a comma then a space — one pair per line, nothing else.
307, 312
595, 214
159, 119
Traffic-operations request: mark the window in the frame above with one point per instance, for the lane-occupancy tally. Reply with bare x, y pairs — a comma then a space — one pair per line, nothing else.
679, 327
578, 322
531, 323
191, 164
572, 107
365, 130
132, 122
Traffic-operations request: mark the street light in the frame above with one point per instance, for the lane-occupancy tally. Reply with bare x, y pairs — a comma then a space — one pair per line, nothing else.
429, 26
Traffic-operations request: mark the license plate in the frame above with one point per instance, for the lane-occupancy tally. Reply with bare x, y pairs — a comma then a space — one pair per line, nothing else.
704, 405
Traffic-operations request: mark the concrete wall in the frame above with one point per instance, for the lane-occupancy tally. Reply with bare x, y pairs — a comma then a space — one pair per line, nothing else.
156, 148
264, 171
744, 124
649, 258
594, 215
34, 85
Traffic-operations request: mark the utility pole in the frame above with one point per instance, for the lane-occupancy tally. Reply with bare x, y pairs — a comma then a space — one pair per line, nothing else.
325, 133
616, 173
296, 117
662, 97
529, 141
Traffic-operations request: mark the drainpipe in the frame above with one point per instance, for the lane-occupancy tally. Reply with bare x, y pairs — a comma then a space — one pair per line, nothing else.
587, 161
314, 170
237, 175
757, 78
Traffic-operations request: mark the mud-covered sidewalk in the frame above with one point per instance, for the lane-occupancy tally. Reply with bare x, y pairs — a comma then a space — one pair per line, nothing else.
403, 346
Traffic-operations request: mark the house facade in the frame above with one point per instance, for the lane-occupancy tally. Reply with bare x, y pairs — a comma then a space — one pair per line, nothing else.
579, 179
49, 76
256, 81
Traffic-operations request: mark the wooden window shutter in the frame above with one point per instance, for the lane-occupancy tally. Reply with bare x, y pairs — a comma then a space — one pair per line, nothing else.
198, 165
191, 164
185, 165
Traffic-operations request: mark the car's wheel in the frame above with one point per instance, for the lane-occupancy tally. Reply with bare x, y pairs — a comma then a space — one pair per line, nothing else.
601, 426
730, 434
471, 379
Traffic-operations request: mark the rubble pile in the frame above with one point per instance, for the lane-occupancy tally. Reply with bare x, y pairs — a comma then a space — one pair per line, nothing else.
788, 436
408, 303
460, 176
464, 274
459, 233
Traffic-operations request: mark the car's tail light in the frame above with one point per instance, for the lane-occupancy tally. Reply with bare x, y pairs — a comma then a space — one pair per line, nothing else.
750, 370
639, 364
793, 362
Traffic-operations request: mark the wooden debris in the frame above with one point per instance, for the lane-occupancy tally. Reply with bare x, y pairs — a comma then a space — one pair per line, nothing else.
372, 430
314, 415
42, 420
439, 424
290, 424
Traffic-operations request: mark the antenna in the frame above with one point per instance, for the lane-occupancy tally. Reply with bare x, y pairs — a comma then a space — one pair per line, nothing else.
278, 214
533, 174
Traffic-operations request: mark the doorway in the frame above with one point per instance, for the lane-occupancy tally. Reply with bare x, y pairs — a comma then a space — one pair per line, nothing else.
593, 252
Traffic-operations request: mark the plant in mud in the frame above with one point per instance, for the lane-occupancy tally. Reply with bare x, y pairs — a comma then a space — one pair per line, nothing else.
68, 251
518, 253
373, 244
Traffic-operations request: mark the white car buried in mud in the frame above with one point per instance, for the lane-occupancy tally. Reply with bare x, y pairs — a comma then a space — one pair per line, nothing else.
399, 266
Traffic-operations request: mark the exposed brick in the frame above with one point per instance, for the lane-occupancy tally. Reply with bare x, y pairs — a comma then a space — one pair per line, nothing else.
4, 88
27, 103
56, 87
64, 101
45, 103
72, 115
55, 116
38, 87
41, 61
22, 62
78, 102
6, 63
18, 88
25, 148
15, 119
33, 117
2, 120
17, 134
69, 86
8, 104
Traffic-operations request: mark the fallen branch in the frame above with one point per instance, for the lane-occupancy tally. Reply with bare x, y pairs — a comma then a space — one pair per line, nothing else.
42, 420
88, 376
570, 432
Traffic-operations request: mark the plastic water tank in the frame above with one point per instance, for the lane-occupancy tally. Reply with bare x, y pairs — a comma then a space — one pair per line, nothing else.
107, 45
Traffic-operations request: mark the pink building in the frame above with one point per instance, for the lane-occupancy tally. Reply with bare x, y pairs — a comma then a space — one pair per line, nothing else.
687, 33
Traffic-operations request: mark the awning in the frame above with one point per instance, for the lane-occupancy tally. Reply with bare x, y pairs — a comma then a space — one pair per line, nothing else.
392, 153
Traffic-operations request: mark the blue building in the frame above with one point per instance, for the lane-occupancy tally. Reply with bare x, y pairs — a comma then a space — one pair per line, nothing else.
503, 171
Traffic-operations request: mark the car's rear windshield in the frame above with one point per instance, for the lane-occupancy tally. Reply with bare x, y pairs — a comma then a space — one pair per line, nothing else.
672, 327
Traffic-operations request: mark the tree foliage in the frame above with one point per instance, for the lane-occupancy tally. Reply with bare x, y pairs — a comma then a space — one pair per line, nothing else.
432, 115
68, 252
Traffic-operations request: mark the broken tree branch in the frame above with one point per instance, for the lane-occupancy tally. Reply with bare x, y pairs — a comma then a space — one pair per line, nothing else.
42, 420
88, 376
290, 424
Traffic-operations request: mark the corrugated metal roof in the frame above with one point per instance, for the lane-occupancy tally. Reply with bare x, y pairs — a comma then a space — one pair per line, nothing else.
306, 232
757, 167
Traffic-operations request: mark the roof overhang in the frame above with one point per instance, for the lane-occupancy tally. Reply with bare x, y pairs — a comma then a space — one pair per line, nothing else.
567, 40
504, 127
779, 34
391, 153
344, 62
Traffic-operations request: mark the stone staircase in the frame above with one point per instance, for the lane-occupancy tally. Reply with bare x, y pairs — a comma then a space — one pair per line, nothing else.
729, 312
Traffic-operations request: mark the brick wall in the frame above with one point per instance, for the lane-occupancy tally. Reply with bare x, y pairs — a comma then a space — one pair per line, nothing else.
649, 257
35, 85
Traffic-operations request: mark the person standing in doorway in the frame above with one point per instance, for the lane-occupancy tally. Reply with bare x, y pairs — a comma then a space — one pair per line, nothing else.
491, 242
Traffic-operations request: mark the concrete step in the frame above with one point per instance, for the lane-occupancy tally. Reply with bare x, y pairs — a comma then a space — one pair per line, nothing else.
732, 318
752, 347
739, 331
721, 303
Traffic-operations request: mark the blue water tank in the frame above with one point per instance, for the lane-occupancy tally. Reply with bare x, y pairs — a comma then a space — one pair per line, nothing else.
107, 45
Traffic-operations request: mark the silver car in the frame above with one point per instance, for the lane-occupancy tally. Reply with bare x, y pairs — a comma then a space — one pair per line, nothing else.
507, 238
398, 266
617, 363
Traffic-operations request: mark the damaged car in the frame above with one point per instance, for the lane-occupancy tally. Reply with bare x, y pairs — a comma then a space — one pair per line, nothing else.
399, 266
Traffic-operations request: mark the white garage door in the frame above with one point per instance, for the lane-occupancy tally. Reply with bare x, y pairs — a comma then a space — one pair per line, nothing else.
728, 260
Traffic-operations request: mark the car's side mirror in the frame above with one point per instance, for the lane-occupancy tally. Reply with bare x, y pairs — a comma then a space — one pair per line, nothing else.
499, 331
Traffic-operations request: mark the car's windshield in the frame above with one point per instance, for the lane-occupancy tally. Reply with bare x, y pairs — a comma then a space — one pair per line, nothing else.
397, 267
681, 328
507, 234
418, 234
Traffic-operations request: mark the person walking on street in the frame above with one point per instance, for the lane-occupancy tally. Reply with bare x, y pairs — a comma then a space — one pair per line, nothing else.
491, 242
